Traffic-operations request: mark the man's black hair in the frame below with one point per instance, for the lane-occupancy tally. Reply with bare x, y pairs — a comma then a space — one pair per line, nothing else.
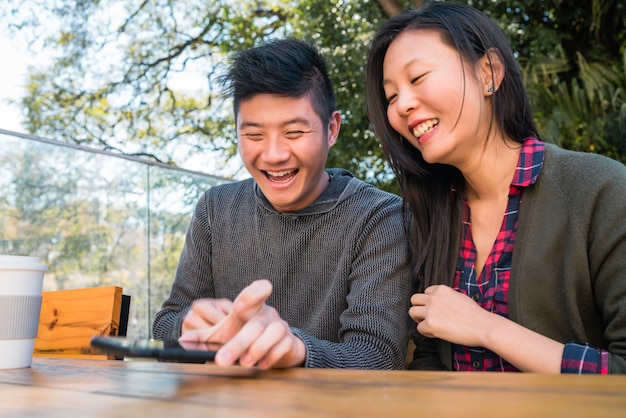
285, 67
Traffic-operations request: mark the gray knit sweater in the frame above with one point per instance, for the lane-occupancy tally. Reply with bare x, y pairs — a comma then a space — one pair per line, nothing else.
339, 268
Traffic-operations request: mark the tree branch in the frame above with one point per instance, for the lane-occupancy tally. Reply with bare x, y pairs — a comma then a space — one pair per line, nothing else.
390, 7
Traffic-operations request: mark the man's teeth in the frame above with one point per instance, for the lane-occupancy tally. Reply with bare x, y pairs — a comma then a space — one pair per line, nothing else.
422, 128
281, 176
278, 173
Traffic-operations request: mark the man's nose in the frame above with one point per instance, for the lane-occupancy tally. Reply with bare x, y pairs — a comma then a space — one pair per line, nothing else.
276, 150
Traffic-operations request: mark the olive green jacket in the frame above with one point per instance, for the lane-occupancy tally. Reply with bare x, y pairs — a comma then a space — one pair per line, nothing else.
568, 273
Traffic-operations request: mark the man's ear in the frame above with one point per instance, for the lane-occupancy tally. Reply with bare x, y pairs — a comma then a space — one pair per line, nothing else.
492, 71
334, 126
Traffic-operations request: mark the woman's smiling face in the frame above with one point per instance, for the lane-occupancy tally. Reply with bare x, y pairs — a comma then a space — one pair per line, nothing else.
435, 101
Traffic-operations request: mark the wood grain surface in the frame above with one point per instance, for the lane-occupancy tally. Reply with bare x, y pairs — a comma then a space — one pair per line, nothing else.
69, 318
70, 387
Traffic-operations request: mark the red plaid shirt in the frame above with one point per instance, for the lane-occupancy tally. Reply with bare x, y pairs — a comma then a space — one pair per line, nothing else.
491, 289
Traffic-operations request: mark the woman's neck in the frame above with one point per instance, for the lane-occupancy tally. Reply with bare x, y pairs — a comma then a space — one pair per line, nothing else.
489, 176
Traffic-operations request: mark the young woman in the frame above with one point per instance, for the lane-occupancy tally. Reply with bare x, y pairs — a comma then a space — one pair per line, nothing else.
519, 247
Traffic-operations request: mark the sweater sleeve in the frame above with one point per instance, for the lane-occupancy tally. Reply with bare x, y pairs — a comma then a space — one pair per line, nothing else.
374, 326
193, 277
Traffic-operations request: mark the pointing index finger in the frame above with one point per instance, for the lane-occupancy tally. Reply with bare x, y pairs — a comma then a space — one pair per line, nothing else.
251, 299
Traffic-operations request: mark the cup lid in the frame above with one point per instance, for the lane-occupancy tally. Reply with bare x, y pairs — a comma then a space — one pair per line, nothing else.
21, 262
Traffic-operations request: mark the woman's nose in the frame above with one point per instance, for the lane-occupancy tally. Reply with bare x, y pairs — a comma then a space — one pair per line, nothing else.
406, 102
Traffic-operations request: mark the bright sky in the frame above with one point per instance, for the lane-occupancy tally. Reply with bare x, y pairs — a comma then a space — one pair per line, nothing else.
12, 73
16, 59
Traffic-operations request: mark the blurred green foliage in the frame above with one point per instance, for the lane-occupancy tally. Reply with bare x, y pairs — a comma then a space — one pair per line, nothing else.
114, 78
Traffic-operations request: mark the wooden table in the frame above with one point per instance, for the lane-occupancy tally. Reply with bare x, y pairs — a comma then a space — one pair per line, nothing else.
96, 388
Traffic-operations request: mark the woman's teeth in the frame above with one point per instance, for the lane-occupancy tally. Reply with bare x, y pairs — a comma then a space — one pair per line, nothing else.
422, 128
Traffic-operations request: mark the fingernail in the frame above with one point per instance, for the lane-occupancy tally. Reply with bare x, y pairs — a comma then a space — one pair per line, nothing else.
240, 304
224, 357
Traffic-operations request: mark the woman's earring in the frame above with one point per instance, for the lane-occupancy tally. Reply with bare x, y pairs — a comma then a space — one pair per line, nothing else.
490, 89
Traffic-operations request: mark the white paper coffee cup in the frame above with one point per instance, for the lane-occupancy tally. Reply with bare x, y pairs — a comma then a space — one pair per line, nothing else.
21, 283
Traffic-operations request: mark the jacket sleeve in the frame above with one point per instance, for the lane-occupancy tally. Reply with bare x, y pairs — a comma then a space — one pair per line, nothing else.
607, 256
568, 277
426, 355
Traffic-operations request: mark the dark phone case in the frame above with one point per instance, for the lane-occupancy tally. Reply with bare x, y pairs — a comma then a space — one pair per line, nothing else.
168, 351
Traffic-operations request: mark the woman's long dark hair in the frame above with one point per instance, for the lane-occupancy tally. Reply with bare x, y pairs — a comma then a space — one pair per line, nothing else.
436, 216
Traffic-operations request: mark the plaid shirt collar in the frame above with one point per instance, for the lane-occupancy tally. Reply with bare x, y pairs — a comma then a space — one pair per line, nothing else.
529, 163
528, 166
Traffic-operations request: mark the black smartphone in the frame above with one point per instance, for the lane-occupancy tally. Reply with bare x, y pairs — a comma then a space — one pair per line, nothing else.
167, 351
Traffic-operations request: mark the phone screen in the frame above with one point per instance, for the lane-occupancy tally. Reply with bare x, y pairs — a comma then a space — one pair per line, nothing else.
172, 351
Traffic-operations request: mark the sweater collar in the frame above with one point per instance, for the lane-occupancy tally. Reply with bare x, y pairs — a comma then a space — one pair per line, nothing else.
342, 185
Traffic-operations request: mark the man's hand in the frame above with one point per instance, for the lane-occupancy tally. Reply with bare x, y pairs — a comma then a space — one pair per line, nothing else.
251, 331
205, 313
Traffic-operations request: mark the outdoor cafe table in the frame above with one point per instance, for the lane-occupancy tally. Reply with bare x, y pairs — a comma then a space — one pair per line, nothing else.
97, 388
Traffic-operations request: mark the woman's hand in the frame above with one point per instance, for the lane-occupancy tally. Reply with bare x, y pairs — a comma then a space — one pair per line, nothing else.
442, 312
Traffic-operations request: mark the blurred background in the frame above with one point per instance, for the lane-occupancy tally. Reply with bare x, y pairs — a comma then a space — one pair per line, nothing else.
112, 124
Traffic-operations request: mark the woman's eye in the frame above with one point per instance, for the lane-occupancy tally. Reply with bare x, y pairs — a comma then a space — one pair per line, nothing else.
391, 99
253, 137
416, 79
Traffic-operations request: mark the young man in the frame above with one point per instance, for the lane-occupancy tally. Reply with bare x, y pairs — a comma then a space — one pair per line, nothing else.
299, 265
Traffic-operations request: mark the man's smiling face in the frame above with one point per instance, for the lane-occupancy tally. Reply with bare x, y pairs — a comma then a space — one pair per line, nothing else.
284, 145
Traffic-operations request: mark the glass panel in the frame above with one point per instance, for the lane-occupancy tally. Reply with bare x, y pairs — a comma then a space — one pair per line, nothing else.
97, 218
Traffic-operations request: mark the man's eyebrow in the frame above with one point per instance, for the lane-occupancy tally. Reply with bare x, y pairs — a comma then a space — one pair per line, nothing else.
249, 125
296, 120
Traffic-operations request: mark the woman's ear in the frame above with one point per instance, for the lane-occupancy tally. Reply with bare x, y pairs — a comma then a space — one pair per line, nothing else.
492, 71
